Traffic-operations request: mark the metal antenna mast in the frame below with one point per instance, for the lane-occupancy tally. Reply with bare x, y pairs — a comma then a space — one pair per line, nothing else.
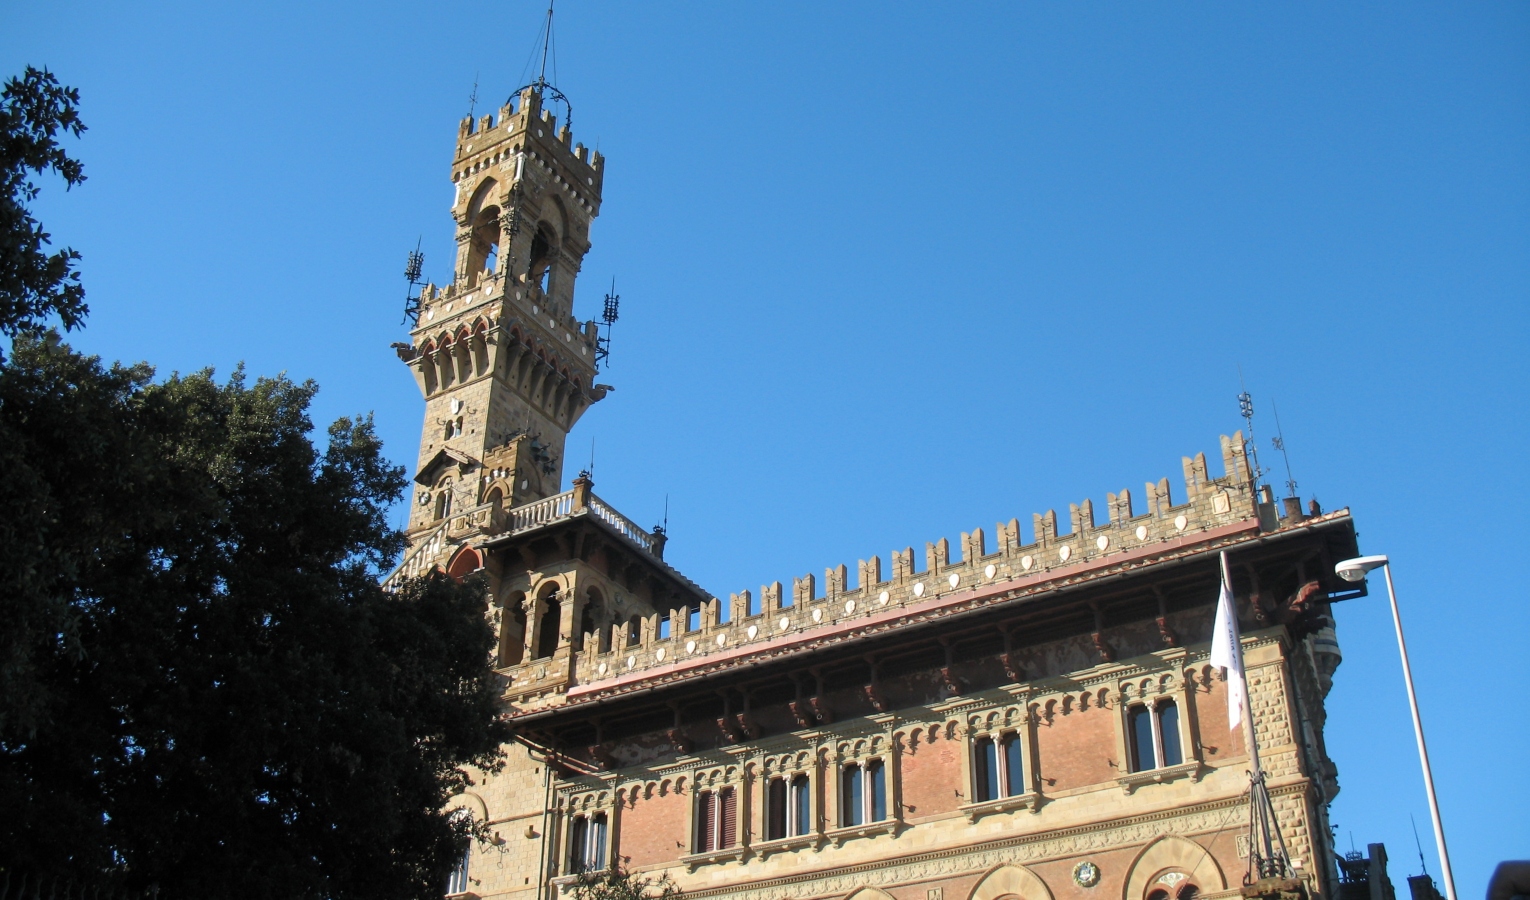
1246, 408
608, 316
412, 268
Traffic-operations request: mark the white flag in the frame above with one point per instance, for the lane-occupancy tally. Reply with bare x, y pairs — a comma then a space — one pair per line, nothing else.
1227, 652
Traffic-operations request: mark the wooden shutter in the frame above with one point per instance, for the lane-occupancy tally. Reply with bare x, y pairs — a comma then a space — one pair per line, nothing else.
728, 815
775, 812
706, 823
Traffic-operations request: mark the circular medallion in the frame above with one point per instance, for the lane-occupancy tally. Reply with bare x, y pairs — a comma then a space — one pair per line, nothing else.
1102, 542
1180, 522
784, 624
1141, 532
690, 646
659, 654
919, 589
849, 607
817, 615
1086, 874
954, 580
990, 570
1064, 553
753, 630
722, 639
1026, 562
882, 599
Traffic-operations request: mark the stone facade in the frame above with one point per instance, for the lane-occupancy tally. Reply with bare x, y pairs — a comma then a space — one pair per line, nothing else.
1031, 718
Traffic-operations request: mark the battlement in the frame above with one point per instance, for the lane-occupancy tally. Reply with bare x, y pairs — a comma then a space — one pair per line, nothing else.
681, 637
526, 119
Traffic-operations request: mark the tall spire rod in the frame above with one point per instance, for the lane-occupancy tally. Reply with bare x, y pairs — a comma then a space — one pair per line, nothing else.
546, 43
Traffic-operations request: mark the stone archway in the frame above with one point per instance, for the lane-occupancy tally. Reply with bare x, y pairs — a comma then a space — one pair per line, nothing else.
1010, 880
1173, 852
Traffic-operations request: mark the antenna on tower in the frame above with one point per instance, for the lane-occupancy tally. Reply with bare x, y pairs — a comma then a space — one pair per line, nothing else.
473, 97
544, 87
607, 315
412, 268
1246, 409
1419, 844
1279, 440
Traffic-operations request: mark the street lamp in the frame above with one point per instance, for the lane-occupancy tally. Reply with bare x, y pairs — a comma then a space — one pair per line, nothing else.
1355, 570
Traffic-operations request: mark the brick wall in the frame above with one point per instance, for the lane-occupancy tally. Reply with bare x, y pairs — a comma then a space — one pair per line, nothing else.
1076, 748
931, 776
653, 829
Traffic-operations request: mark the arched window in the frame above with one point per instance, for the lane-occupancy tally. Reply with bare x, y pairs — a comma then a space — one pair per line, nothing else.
802, 806
788, 807
547, 633
457, 882
716, 820
444, 499
863, 793
634, 631
998, 767
512, 631
587, 843
586, 625
1153, 732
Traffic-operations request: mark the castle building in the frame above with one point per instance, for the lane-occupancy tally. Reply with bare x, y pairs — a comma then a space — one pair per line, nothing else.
1026, 714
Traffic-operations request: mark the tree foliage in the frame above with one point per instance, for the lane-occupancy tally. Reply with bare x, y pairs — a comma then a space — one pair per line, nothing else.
616, 883
36, 285
202, 686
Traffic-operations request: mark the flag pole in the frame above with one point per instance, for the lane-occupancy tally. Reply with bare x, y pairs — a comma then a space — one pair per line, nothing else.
1248, 712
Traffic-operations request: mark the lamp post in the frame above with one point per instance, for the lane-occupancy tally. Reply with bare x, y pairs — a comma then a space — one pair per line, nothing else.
1355, 570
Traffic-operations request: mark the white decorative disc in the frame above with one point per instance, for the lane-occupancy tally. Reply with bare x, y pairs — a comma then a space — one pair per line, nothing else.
690, 646
882, 599
602, 668
1141, 532
919, 589
784, 624
631, 661
722, 639
1064, 553
753, 630
849, 607
817, 615
1026, 562
990, 571
659, 654
1102, 542
954, 580
1180, 522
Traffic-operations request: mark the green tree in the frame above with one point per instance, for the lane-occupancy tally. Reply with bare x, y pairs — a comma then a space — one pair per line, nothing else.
616, 883
202, 686
36, 285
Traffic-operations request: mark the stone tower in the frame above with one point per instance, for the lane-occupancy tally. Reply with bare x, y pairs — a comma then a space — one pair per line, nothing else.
505, 368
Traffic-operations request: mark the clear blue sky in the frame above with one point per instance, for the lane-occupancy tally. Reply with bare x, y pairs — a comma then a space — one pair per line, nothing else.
891, 272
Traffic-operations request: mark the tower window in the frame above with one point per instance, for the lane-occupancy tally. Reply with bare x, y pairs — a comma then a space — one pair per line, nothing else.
1153, 733
716, 820
547, 637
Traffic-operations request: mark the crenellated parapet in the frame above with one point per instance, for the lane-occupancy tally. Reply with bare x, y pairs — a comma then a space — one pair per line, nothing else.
783, 614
